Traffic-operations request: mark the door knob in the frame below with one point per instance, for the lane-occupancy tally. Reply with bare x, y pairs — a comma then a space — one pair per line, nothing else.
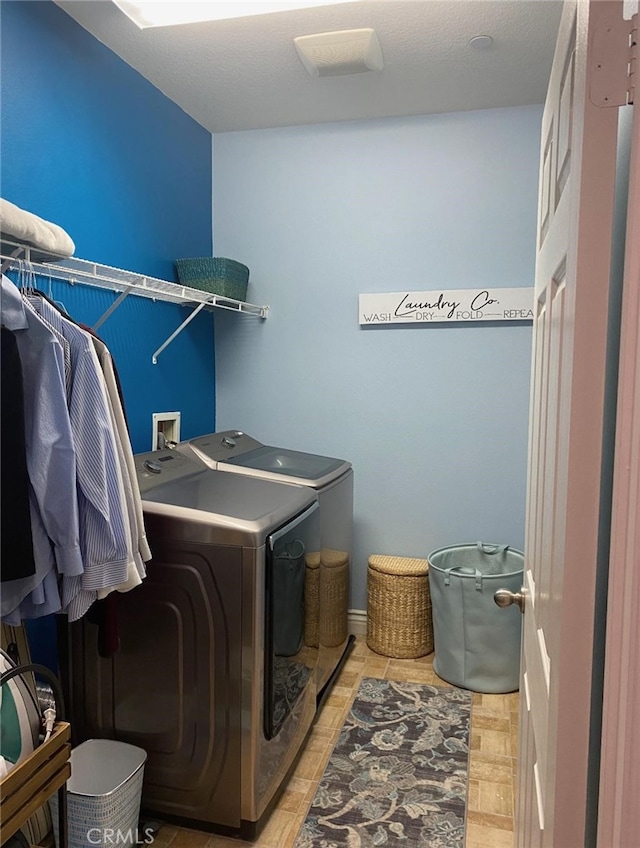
504, 598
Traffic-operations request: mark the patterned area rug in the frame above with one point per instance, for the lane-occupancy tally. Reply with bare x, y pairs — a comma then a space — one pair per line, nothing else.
398, 773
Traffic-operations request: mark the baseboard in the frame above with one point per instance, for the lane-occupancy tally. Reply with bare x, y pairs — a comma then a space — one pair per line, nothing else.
358, 622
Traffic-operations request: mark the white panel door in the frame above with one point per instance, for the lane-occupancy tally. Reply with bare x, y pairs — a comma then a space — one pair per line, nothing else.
578, 158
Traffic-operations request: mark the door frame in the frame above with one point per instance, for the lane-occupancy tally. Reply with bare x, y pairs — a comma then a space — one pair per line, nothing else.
619, 810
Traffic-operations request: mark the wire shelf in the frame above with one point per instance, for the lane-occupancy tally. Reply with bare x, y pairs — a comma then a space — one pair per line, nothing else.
124, 283
116, 279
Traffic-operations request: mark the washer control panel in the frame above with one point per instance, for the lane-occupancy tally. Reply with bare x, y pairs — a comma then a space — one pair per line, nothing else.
161, 466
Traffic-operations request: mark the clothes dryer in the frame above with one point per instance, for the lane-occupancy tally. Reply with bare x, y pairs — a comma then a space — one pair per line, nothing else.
327, 575
212, 677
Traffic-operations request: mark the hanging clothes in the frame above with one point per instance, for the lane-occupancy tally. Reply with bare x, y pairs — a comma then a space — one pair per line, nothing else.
107, 523
137, 547
51, 463
114, 393
16, 548
104, 542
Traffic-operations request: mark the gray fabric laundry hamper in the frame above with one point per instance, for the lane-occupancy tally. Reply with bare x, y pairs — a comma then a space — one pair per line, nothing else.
477, 643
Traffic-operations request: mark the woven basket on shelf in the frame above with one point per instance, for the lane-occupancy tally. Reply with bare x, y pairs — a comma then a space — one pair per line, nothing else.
215, 274
399, 622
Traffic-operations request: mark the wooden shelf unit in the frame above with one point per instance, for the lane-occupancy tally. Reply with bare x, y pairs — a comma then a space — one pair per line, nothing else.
31, 783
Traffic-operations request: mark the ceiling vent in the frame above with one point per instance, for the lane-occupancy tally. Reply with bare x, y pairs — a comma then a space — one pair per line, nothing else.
349, 51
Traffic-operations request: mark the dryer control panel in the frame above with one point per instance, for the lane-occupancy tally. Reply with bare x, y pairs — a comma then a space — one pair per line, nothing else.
162, 466
224, 445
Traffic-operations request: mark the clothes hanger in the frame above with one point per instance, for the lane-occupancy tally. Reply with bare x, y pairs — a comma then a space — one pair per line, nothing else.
26, 277
27, 284
57, 303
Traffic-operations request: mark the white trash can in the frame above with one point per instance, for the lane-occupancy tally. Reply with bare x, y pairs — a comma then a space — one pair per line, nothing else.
103, 795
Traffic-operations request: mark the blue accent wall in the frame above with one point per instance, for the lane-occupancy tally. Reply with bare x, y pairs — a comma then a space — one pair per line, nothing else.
89, 144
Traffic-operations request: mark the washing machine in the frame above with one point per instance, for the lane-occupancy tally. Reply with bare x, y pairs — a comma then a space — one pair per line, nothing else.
212, 676
327, 585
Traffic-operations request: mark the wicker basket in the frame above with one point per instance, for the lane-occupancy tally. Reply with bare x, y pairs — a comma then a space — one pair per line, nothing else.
312, 599
399, 622
326, 598
334, 597
215, 274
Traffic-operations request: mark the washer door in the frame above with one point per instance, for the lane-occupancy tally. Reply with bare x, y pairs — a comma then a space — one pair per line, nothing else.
290, 665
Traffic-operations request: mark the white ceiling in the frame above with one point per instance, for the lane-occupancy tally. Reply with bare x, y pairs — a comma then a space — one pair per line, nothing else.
245, 73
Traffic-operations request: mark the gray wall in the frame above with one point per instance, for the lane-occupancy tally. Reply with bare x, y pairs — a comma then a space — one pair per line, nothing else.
433, 417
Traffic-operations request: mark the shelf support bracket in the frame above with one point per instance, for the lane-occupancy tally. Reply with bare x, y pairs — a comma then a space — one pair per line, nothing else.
116, 303
8, 262
177, 332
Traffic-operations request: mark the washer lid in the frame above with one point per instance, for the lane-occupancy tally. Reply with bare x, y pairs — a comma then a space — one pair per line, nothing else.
227, 500
308, 469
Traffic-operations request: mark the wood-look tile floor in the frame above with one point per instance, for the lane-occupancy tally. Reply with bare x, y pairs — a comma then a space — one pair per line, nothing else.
492, 760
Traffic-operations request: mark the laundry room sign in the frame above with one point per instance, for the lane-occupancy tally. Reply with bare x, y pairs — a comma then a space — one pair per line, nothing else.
447, 305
